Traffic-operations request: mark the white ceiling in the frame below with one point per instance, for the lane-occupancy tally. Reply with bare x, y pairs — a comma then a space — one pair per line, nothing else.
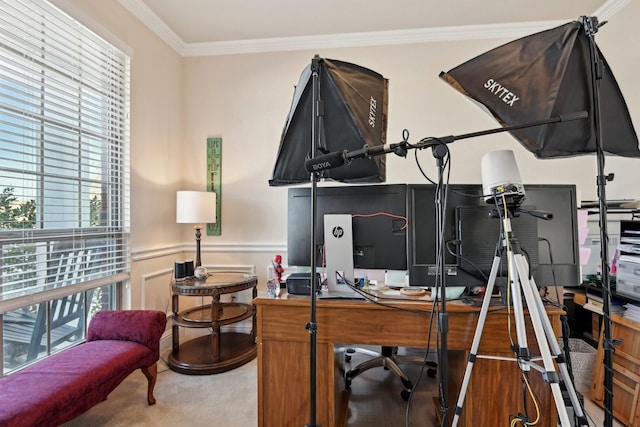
200, 27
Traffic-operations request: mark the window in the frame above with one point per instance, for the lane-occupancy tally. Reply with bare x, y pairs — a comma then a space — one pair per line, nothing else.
64, 207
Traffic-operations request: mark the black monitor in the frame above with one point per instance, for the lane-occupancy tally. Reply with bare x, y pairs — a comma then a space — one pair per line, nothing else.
558, 237
472, 236
423, 234
380, 241
479, 231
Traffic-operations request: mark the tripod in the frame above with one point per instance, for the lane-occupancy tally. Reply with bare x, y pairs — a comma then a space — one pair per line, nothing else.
521, 285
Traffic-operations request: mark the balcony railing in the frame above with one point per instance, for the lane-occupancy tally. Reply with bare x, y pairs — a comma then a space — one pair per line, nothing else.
49, 291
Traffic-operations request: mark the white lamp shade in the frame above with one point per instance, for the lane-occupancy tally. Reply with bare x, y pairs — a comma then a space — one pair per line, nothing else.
196, 207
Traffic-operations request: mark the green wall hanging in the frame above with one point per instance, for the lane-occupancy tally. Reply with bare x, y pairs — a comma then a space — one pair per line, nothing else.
214, 181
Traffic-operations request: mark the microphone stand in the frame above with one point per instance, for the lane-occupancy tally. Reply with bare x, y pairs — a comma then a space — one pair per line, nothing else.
318, 164
440, 151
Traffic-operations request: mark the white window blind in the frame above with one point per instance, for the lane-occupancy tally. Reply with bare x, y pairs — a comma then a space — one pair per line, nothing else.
64, 109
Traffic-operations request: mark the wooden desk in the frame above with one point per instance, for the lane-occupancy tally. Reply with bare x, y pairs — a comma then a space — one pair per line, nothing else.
494, 392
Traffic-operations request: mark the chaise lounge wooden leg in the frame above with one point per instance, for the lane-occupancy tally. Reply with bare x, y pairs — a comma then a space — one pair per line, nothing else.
151, 372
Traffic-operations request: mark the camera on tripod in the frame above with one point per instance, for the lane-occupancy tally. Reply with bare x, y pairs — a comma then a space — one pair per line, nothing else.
501, 181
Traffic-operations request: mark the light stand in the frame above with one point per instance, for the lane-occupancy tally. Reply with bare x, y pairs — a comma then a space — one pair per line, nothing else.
571, 65
333, 106
312, 326
590, 25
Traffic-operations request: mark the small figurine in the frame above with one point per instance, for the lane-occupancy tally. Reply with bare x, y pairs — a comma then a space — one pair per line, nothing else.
273, 288
277, 267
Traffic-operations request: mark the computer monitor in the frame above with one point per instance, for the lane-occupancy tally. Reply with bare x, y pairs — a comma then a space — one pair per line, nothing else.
471, 234
379, 224
479, 232
558, 237
423, 234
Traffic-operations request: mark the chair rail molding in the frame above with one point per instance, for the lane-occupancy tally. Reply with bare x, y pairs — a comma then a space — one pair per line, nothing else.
142, 254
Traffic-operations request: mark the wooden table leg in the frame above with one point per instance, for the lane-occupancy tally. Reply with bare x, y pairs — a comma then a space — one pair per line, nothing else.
215, 332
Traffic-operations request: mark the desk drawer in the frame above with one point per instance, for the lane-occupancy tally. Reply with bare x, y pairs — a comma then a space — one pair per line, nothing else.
626, 366
626, 378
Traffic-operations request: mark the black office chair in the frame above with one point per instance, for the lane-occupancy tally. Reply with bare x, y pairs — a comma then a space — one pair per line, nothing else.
388, 358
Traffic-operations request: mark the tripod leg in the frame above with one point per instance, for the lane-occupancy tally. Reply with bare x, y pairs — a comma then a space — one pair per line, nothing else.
550, 374
476, 339
514, 290
557, 353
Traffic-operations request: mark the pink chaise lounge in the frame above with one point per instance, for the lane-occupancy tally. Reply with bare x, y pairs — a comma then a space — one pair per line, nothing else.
61, 387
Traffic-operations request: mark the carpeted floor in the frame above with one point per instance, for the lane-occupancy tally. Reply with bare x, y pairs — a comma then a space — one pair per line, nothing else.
223, 400
229, 399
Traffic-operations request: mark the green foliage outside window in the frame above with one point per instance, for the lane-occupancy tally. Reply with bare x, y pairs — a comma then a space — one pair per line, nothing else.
14, 214
18, 260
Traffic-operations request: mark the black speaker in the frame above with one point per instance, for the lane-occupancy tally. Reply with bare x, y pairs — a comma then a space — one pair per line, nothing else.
300, 283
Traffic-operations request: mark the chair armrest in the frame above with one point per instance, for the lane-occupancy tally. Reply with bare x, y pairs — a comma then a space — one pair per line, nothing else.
141, 326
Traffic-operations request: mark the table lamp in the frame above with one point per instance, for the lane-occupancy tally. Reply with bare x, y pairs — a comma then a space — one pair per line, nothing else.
196, 207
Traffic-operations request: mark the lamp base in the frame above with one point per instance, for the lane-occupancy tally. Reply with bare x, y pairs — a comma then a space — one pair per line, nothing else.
198, 229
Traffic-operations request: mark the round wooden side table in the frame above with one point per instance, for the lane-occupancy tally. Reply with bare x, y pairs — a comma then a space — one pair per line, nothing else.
218, 351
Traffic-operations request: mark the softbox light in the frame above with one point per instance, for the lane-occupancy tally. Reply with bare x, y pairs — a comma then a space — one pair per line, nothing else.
545, 75
553, 73
353, 115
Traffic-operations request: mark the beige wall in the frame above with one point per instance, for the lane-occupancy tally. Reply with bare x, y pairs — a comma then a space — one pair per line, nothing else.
178, 102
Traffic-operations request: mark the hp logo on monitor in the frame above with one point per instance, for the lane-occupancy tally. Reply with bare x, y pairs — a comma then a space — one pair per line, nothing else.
337, 232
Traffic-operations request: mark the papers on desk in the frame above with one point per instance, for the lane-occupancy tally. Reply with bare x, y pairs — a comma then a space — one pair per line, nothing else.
632, 311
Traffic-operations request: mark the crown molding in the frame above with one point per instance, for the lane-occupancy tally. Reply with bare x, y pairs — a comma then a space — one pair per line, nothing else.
141, 11
425, 35
609, 8
378, 38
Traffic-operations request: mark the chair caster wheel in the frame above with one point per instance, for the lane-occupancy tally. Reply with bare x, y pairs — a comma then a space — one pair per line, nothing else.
432, 372
348, 353
347, 380
405, 394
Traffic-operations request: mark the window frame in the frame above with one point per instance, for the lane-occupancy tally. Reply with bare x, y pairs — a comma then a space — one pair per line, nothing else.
64, 124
